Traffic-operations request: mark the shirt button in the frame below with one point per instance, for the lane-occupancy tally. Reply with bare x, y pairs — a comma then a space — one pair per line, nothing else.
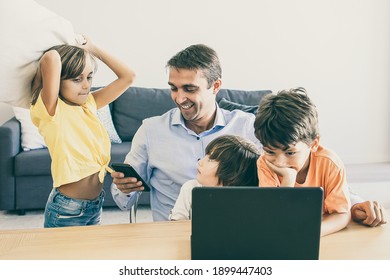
197, 138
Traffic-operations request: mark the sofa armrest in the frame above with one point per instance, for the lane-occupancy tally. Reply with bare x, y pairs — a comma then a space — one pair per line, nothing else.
9, 148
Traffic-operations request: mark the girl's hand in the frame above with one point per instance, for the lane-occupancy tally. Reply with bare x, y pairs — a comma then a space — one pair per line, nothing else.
80, 40
86, 43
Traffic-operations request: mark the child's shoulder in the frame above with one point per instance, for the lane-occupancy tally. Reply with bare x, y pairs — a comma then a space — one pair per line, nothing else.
326, 155
191, 184
90, 102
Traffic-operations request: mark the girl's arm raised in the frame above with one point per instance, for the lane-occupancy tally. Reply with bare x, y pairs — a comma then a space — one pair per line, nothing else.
49, 71
125, 75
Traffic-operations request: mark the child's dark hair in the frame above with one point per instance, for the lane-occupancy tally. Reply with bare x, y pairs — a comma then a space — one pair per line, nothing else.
286, 118
237, 158
198, 57
73, 62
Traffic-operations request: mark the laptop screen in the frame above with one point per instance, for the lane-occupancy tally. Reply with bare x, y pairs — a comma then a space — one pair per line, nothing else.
256, 223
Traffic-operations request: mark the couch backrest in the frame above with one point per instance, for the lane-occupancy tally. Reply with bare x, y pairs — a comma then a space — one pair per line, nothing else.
137, 103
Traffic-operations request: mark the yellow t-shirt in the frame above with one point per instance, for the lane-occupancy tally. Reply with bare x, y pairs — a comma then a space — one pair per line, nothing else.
78, 144
326, 170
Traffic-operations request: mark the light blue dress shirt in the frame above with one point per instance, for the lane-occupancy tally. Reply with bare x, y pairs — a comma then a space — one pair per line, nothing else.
165, 153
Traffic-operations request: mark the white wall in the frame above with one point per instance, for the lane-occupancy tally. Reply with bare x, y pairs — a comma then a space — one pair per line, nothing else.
339, 50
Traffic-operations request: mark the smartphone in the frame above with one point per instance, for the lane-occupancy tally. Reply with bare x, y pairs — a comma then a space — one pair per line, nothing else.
129, 172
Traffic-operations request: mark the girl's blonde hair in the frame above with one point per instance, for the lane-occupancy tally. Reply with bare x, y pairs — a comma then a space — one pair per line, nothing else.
73, 62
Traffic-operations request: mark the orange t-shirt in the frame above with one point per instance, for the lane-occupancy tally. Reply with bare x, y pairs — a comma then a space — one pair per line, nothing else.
326, 170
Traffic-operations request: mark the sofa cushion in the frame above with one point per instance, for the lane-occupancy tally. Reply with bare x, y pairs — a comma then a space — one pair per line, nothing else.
246, 97
229, 105
33, 162
30, 137
137, 104
119, 152
104, 115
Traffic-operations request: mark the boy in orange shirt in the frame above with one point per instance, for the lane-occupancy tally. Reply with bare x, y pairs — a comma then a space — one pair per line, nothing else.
287, 126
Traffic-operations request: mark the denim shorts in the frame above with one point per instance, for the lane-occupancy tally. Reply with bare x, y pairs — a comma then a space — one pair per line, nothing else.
63, 211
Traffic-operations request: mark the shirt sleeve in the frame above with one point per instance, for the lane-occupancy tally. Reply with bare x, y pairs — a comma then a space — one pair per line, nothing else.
183, 205
38, 112
251, 131
123, 200
138, 156
138, 159
336, 191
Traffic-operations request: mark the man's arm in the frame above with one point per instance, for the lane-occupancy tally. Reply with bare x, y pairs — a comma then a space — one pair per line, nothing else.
123, 200
124, 189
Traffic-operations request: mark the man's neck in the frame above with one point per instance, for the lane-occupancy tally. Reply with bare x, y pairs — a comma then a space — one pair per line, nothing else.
203, 124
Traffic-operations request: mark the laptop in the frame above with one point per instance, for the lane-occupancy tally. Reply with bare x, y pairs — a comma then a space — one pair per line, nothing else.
252, 223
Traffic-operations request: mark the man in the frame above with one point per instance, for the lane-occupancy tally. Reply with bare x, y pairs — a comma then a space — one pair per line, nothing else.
166, 148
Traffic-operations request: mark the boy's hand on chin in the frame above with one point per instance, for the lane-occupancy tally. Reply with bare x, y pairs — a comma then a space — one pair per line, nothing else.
289, 174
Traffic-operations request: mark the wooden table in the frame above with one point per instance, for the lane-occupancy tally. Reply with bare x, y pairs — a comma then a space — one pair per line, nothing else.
164, 240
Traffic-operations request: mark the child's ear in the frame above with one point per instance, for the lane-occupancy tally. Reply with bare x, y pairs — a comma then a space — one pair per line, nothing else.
315, 144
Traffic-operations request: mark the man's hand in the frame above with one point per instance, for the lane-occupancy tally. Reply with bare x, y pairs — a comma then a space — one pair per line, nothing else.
369, 213
126, 184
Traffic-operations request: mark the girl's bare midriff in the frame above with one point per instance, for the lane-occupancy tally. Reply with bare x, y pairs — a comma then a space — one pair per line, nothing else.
88, 188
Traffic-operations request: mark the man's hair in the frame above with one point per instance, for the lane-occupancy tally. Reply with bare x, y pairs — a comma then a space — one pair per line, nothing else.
198, 57
286, 118
73, 62
237, 158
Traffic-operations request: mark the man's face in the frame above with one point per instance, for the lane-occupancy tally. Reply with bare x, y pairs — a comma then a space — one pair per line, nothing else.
190, 92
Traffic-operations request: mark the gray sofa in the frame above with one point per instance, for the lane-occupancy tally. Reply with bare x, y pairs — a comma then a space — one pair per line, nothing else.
25, 180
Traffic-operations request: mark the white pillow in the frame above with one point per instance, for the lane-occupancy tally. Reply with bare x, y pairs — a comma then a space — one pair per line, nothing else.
104, 115
31, 138
27, 29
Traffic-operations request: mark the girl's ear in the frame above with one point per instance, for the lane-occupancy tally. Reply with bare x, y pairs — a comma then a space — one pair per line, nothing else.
315, 144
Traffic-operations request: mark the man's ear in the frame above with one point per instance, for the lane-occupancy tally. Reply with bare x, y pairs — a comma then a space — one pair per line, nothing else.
315, 144
217, 86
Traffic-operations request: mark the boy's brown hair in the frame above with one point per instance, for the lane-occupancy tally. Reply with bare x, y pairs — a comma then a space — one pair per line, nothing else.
286, 118
237, 158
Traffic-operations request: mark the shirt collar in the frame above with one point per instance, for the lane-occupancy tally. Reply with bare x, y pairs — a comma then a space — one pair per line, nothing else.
177, 118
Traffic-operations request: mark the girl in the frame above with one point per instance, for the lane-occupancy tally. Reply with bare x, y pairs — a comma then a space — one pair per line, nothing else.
229, 161
64, 110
